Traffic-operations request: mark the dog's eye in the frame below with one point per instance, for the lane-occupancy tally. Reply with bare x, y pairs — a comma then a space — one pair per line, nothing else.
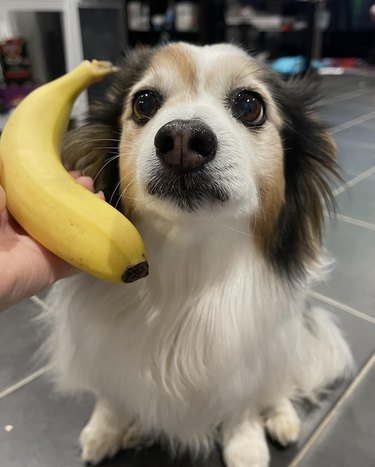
248, 107
145, 105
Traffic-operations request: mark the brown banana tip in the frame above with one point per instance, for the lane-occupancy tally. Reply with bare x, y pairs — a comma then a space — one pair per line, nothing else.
133, 273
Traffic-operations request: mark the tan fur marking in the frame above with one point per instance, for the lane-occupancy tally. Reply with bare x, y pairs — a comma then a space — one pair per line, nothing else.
127, 188
271, 198
271, 194
329, 143
178, 58
222, 72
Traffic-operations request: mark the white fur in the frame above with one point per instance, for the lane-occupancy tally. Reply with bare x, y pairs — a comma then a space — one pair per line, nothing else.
211, 332
213, 337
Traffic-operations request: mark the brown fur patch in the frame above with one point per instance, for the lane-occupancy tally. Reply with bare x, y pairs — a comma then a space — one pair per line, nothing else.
271, 199
273, 202
268, 223
177, 58
230, 72
329, 144
128, 171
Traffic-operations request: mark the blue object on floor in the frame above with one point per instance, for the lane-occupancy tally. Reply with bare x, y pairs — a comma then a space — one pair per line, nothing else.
289, 65
293, 65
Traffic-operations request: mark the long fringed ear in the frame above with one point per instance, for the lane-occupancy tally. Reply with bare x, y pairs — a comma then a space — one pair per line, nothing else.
93, 148
309, 166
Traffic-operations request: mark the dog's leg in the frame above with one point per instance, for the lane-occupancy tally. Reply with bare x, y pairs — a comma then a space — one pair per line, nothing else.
283, 423
102, 435
135, 438
244, 443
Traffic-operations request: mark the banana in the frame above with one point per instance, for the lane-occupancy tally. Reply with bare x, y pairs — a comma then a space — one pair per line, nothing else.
53, 208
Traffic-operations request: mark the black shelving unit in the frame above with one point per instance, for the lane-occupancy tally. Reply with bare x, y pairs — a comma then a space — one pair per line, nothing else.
210, 25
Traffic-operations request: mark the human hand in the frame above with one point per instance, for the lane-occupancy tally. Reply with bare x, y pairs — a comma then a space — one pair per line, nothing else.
26, 267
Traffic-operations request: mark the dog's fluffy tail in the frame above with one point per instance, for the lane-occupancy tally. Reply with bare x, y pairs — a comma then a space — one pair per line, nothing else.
326, 358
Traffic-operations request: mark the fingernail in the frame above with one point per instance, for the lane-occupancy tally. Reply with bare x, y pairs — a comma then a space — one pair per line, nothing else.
75, 173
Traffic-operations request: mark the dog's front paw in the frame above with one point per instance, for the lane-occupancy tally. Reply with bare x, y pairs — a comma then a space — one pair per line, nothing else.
283, 424
135, 438
244, 444
246, 453
98, 443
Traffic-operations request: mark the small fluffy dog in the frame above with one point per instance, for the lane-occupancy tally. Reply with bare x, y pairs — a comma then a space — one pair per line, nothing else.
223, 168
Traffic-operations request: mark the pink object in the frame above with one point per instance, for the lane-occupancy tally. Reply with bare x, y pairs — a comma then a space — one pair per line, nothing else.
13, 94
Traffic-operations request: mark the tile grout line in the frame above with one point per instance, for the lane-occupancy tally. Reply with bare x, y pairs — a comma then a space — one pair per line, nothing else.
23, 382
342, 306
333, 412
345, 96
357, 143
352, 220
352, 182
350, 123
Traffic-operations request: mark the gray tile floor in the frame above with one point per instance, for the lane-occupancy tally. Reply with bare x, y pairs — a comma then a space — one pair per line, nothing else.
40, 428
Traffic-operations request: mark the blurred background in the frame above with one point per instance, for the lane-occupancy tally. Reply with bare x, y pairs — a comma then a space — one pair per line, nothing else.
40, 40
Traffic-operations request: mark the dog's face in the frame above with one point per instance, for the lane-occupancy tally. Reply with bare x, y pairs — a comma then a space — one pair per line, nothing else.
201, 132
211, 131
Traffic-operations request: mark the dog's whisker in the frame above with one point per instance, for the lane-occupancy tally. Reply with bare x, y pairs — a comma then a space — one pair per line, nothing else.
111, 159
97, 148
139, 201
98, 140
226, 226
114, 191
122, 193
85, 142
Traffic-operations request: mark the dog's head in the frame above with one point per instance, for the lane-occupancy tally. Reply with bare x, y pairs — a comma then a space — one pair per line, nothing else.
212, 131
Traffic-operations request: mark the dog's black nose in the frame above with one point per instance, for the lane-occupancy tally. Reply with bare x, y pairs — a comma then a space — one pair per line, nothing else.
185, 144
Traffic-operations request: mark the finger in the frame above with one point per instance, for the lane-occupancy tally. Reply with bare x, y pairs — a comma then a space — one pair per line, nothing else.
75, 173
100, 195
86, 182
2, 199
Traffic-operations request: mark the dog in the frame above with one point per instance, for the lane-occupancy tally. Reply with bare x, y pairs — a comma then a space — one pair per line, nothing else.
224, 169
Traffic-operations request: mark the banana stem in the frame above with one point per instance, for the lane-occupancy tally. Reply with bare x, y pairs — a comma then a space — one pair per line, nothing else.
82, 76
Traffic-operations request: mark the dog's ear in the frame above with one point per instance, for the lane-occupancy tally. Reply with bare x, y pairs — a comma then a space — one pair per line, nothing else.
90, 149
309, 167
93, 148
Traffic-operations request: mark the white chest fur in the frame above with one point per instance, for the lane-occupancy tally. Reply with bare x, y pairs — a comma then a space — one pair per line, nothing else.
181, 347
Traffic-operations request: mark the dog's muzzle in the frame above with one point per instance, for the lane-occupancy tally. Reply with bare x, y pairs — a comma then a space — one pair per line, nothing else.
184, 175
185, 145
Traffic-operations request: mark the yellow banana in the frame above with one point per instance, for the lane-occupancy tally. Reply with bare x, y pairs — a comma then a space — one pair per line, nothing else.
55, 210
